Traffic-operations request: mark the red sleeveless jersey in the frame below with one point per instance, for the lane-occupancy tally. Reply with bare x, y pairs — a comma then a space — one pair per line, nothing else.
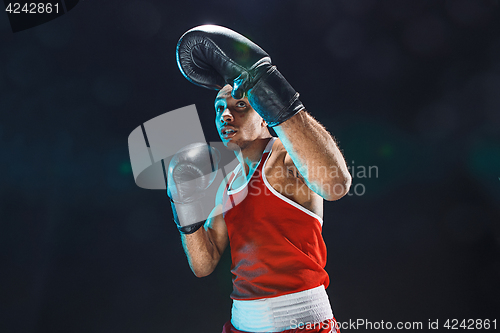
276, 244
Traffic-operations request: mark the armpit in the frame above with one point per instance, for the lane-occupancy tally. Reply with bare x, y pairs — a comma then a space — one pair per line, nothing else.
292, 170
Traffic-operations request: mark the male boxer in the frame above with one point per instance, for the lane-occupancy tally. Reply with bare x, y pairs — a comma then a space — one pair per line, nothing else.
270, 208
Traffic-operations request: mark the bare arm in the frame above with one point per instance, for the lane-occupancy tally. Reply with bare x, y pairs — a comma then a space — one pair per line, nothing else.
205, 247
316, 155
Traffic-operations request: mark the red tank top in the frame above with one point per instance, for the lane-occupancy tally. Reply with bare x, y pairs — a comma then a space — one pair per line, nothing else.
276, 244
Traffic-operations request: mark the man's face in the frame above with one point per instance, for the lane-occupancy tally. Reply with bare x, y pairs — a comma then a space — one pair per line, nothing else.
238, 124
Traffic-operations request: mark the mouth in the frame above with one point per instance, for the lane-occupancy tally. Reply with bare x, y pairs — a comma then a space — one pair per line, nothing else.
228, 133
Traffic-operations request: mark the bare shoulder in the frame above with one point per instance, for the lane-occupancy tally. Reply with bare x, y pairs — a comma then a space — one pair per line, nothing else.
280, 159
282, 174
278, 153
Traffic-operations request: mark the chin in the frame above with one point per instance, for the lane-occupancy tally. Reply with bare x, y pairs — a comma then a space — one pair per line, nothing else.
232, 146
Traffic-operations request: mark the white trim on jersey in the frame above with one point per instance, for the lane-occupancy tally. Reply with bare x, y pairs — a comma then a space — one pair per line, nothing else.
237, 169
268, 149
289, 201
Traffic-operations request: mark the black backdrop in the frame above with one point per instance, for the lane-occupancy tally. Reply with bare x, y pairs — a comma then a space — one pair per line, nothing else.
408, 88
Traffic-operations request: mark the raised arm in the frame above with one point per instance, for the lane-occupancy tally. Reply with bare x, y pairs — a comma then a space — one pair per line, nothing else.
220, 60
316, 155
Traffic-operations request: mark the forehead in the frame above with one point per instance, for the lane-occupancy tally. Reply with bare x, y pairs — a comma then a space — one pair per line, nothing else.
224, 93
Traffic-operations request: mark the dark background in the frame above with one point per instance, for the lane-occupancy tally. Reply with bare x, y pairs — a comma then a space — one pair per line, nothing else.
410, 87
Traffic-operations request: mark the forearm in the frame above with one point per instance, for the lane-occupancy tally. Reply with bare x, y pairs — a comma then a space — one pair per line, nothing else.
316, 155
201, 252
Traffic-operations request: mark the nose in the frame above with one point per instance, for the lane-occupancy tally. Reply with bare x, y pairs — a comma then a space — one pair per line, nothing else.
226, 116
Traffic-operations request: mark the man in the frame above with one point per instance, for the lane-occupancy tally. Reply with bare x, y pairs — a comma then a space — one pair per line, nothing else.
270, 208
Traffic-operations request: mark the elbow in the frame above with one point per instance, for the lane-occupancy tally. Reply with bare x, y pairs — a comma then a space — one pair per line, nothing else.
201, 272
338, 187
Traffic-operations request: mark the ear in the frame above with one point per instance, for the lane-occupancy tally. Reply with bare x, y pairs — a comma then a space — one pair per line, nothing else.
263, 124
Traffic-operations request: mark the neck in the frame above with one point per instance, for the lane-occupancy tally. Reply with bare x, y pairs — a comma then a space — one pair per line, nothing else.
250, 156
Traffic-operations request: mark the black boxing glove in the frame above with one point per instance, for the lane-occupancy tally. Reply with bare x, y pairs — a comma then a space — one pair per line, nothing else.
212, 56
190, 172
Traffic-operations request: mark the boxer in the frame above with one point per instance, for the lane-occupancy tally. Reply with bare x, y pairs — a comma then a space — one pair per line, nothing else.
269, 209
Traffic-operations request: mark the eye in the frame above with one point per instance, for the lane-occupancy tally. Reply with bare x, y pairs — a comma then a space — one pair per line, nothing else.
219, 107
241, 104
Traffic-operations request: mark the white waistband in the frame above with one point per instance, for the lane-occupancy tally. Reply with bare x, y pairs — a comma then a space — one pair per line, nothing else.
280, 313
